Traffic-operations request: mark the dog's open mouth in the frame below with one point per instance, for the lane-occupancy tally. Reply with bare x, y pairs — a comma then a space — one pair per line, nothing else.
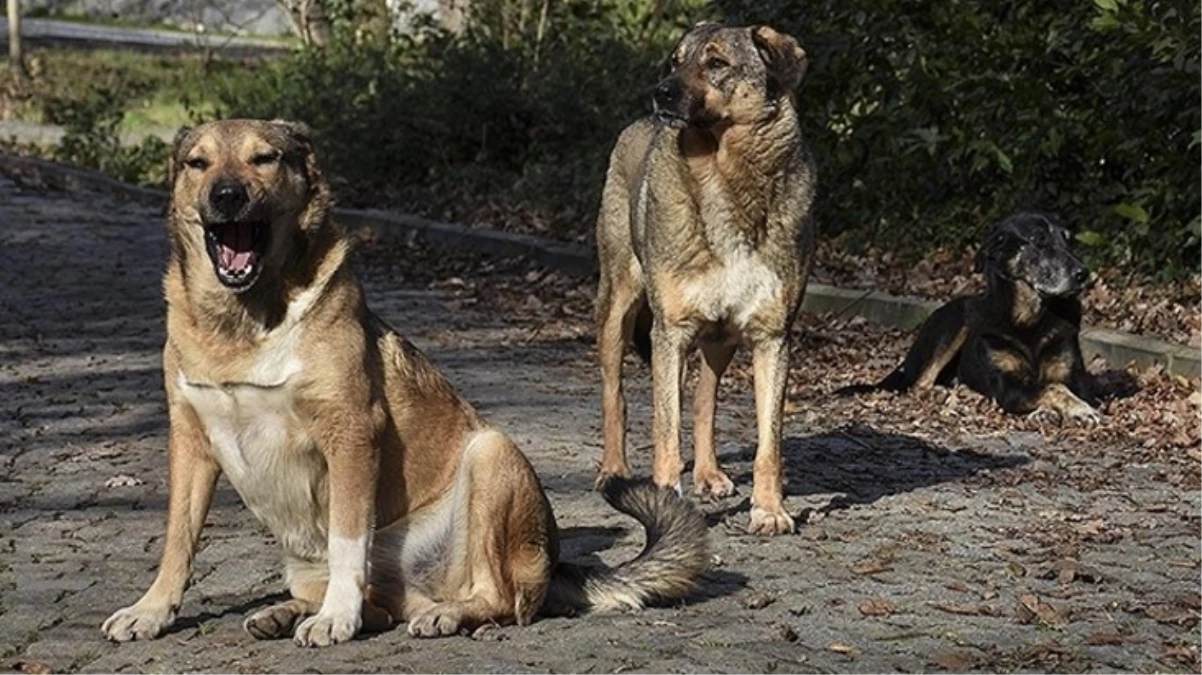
236, 249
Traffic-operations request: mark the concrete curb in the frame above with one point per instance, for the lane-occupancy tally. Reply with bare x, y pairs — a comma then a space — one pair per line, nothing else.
577, 260
568, 258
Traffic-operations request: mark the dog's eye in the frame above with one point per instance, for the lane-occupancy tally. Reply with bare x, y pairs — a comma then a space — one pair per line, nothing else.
265, 158
198, 163
717, 64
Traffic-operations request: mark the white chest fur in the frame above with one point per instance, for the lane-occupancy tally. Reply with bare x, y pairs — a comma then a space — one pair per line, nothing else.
736, 289
257, 437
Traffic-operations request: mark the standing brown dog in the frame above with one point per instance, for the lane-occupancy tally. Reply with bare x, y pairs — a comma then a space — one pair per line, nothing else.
704, 233
390, 497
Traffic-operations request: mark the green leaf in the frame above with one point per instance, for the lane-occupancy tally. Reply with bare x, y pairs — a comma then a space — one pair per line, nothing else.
1105, 22
1195, 227
1107, 5
1091, 238
1003, 160
1132, 212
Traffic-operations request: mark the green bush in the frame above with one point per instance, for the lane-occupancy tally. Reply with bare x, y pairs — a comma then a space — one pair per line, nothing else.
931, 119
92, 138
519, 107
103, 96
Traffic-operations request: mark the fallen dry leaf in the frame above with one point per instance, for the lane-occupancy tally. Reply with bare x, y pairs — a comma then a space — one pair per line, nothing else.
1067, 571
1179, 653
1171, 614
759, 601
1106, 639
1030, 608
122, 480
1191, 600
958, 586
34, 667
842, 648
877, 607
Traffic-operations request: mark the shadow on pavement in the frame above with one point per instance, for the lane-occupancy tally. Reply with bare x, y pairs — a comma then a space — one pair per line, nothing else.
860, 465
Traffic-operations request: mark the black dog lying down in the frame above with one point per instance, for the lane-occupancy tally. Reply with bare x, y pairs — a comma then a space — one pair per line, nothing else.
1017, 342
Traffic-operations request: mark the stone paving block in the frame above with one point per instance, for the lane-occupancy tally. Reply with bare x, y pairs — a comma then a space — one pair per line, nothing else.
958, 536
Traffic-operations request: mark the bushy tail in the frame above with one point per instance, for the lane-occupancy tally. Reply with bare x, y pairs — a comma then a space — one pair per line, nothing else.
675, 555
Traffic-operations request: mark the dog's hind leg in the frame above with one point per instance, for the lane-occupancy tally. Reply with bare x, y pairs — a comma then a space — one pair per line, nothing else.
708, 478
498, 560
945, 352
279, 620
618, 304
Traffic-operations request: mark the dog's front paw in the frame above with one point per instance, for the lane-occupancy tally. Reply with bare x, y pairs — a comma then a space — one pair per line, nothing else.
323, 630
440, 620
1085, 415
770, 523
1044, 415
138, 622
273, 622
714, 484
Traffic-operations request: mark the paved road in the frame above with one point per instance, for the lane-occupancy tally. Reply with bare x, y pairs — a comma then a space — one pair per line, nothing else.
912, 555
36, 31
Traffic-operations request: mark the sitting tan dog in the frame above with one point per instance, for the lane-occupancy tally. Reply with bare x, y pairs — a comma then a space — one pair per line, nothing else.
391, 498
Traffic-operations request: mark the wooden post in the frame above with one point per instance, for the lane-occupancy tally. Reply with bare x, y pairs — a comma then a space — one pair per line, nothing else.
14, 38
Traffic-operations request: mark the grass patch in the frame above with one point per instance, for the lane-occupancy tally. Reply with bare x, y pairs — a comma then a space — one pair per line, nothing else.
117, 107
154, 90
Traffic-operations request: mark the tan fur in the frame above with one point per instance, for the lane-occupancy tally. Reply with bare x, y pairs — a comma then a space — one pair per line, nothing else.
1008, 362
939, 361
708, 224
1028, 305
1056, 368
1059, 400
338, 434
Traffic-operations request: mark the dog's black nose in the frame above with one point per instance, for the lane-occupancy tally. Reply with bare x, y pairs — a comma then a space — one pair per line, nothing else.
668, 93
228, 197
1081, 275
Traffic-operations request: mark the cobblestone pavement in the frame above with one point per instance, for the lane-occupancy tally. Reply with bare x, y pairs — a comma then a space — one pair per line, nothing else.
911, 555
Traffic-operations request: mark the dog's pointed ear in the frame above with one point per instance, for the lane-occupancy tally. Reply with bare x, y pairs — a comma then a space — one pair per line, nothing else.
296, 131
179, 147
300, 135
785, 59
180, 136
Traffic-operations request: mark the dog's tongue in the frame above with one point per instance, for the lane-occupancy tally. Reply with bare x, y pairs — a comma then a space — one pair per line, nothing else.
235, 245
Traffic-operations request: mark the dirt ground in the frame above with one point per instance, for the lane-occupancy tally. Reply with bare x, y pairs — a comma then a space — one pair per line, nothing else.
934, 533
